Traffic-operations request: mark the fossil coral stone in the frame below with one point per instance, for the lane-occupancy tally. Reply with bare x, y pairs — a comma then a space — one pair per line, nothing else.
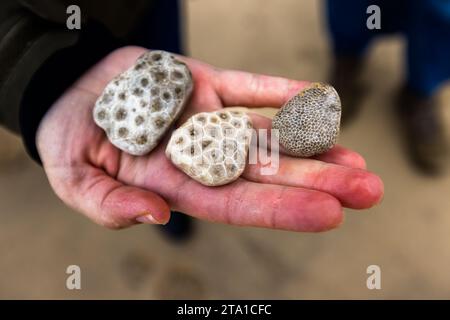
308, 123
138, 106
212, 147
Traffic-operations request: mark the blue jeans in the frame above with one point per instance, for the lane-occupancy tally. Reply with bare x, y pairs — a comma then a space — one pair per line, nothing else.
424, 23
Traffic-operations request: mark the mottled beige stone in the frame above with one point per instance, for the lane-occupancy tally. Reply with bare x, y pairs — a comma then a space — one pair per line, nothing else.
308, 123
212, 147
138, 106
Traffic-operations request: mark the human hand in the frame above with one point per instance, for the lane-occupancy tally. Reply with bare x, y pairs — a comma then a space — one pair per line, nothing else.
117, 190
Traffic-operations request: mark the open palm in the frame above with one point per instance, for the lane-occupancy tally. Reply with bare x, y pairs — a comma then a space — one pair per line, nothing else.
117, 190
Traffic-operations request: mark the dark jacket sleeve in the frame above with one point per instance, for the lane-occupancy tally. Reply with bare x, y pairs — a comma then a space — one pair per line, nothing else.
56, 74
39, 59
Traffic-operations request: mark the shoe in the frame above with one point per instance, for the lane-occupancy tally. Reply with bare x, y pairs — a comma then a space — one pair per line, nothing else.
179, 228
423, 132
345, 78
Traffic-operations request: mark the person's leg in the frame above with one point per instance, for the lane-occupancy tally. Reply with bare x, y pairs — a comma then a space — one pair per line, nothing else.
428, 46
347, 23
350, 38
428, 67
346, 20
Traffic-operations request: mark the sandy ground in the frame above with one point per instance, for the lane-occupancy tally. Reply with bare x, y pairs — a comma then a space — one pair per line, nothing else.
407, 235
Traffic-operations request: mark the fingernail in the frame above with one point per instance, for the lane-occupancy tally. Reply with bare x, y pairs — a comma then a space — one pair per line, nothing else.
147, 218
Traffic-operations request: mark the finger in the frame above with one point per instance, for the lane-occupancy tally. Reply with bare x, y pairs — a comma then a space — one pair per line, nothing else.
113, 204
337, 155
354, 188
237, 88
342, 156
247, 203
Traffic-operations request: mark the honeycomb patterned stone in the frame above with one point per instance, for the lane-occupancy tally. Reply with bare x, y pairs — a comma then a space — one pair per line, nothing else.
138, 106
212, 147
308, 123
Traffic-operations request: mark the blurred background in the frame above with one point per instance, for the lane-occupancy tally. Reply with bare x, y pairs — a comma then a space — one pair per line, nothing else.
407, 235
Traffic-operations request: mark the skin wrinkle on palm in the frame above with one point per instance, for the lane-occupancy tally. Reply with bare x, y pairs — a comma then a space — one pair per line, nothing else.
127, 185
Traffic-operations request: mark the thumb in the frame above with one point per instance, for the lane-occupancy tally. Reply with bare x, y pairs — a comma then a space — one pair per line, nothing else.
113, 204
